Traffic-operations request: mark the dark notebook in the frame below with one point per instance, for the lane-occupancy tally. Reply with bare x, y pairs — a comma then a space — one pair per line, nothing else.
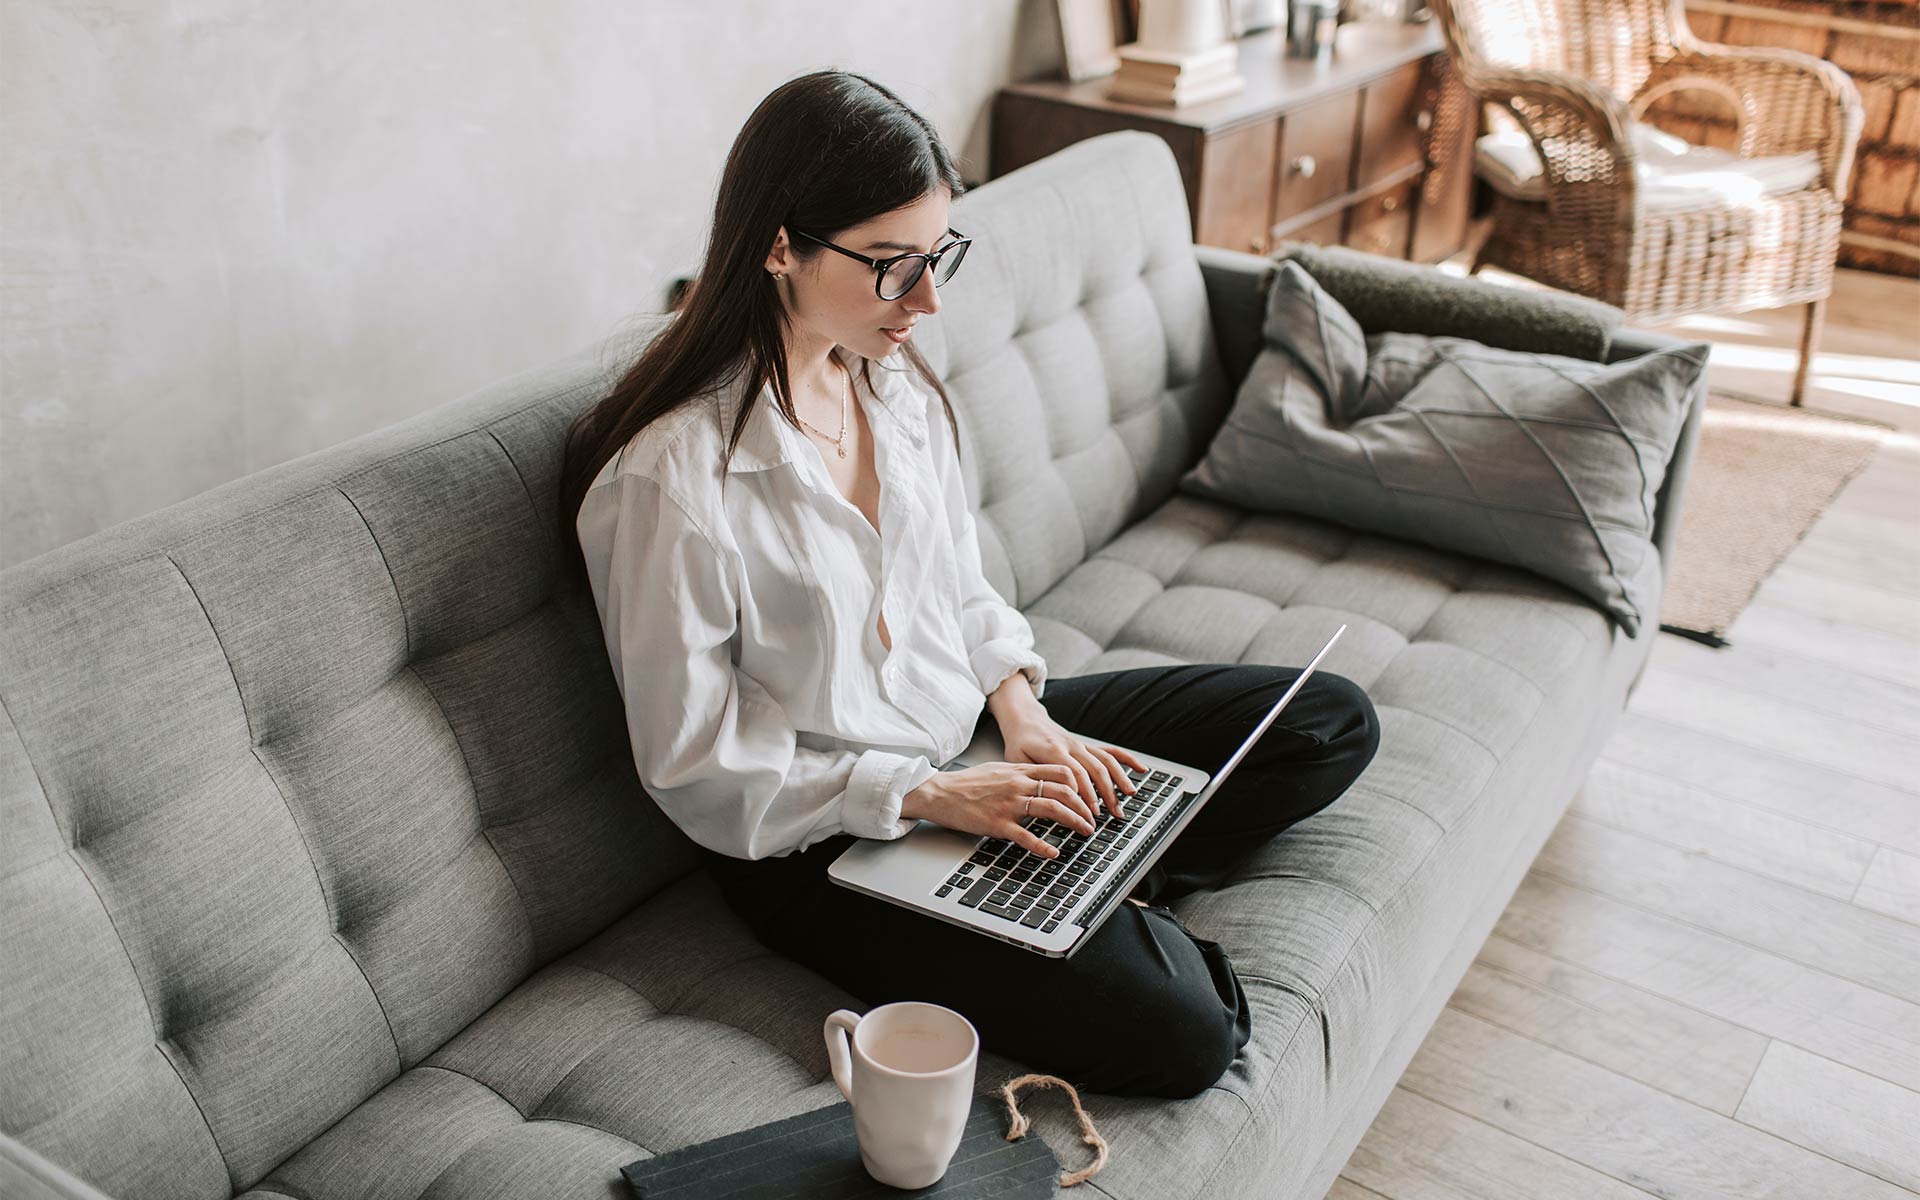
815, 1156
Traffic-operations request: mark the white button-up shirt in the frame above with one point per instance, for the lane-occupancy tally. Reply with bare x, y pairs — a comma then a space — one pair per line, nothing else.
764, 711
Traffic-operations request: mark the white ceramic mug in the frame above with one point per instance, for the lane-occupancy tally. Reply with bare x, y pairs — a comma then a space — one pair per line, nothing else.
907, 1069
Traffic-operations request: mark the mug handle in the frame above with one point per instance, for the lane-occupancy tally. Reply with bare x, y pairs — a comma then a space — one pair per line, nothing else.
839, 1055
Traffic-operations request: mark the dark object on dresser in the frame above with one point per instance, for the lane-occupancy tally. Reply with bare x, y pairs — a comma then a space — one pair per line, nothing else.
816, 1156
1371, 149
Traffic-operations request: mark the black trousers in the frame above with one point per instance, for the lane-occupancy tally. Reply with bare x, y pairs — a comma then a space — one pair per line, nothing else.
1146, 1007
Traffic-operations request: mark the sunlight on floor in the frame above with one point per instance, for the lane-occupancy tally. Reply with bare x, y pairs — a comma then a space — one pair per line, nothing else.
1755, 353
1894, 380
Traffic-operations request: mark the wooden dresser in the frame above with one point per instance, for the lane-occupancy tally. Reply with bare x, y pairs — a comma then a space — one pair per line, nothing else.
1372, 149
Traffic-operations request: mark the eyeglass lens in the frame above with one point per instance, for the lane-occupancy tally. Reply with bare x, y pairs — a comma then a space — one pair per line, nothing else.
901, 277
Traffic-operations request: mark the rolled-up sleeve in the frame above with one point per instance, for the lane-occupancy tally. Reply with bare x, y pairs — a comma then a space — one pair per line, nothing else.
715, 751
998, 639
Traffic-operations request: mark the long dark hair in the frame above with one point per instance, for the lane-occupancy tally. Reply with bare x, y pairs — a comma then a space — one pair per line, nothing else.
823, 153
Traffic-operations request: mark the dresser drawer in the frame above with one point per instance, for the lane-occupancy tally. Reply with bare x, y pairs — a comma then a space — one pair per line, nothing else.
1236, 175
1316, 156
1394, 119
1381, 224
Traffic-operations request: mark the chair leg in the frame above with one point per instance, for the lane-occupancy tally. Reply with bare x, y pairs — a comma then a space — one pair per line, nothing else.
1809, 343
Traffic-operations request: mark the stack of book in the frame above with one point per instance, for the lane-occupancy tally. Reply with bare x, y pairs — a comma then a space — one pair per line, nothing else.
1160, 77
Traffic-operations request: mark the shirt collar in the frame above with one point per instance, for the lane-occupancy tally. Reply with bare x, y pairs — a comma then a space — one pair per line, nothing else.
767, 441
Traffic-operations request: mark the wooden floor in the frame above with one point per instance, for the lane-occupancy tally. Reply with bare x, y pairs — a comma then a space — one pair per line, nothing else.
1709, 983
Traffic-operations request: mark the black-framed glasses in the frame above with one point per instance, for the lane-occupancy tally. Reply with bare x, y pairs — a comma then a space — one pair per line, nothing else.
895, 277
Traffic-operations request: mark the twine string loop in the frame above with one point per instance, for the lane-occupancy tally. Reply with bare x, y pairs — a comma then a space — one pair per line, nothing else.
1088, 1133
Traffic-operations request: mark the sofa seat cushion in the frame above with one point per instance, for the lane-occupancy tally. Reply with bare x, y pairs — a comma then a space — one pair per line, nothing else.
671, 1027
1491, 684
675, 1025
1470, 643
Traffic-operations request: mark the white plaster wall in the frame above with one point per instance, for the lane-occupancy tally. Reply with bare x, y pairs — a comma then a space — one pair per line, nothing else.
232, 233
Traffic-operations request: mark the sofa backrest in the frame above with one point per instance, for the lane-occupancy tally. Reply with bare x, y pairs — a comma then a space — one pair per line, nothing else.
300, 776
296, 779
1078, 351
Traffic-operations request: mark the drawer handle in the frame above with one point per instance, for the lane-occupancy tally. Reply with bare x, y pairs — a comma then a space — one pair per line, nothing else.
1304, 166
1389, 204
1423, 120
1259, 244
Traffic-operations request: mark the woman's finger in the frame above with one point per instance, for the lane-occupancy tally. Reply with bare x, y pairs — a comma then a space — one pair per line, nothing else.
1083, 782
1072, 818
1068, 777
1077, 803
1118, 773
1102, 778
1050, 790
1020, 835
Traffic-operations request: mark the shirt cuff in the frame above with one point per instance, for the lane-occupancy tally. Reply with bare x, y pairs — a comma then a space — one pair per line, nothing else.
877, 790
993, 661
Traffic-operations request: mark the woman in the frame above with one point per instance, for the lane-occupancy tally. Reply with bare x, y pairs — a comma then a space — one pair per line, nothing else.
770, 512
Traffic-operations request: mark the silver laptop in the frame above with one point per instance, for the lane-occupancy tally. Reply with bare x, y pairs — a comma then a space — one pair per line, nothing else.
1051, 906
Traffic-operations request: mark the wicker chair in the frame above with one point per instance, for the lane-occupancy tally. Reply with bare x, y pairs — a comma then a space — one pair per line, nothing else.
1573, 73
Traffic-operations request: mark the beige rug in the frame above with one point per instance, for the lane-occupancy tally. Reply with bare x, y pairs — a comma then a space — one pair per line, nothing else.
1761, 475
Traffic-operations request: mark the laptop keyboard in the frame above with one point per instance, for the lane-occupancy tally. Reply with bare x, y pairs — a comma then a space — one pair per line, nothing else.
1009, 881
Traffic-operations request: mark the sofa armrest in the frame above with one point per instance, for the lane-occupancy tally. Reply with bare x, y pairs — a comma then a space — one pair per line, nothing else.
1631, 343
1786, 101
1237, 299
26, 1175
1391, 295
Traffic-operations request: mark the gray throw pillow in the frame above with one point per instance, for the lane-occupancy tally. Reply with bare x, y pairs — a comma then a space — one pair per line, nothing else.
1539, 461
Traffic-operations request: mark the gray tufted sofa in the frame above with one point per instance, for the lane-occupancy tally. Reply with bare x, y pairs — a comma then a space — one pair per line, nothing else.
326, 873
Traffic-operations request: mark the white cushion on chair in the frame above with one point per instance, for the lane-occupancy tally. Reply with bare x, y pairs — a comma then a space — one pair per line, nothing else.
1675, 175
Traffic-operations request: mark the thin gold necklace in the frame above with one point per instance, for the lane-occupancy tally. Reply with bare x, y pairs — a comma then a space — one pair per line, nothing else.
846, 397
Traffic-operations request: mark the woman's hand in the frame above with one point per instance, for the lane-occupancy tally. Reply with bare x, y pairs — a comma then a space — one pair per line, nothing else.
993, 799
1099, 772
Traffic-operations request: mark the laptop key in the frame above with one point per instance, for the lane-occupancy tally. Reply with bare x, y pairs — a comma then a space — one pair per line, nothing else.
1034, 919
1051, 925
977, 892
943, 889
999, 911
